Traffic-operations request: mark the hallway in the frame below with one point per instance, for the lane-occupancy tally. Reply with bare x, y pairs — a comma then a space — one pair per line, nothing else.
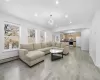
78, 65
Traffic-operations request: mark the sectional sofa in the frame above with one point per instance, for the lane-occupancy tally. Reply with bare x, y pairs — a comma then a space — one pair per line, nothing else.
34, 53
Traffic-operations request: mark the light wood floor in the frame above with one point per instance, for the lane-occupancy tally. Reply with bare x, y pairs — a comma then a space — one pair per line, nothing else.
78, 65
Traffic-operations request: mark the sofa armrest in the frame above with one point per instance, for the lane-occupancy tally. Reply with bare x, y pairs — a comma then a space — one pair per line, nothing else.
23, 52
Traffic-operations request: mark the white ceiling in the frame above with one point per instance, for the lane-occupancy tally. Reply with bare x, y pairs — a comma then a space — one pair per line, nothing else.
72, 30
38, 11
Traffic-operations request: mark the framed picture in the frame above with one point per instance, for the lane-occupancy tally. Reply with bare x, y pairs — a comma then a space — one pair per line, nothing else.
42, 36
53, 38
31, 36
57, 38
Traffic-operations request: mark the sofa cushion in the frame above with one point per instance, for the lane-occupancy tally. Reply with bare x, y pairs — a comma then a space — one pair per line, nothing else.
66, 50
37, 46
29, 47
32, 55
45, 49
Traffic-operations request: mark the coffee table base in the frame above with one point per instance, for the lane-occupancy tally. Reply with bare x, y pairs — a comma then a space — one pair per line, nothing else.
55, 57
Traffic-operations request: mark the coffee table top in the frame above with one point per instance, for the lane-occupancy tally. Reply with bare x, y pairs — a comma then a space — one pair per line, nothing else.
56, 50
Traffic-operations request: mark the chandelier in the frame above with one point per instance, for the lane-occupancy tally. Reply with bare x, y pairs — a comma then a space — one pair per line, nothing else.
51, 21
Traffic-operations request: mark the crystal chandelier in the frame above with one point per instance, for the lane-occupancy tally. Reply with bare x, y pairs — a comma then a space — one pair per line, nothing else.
51, 20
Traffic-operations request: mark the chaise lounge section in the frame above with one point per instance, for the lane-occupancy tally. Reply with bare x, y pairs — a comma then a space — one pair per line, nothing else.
32, 54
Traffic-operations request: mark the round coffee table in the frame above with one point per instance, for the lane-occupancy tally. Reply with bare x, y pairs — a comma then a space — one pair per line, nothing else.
55, 52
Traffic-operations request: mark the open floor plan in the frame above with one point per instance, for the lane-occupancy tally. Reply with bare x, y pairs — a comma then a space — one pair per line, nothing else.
49, 39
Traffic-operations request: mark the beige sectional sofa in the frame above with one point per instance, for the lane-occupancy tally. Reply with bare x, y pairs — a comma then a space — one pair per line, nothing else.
34, 53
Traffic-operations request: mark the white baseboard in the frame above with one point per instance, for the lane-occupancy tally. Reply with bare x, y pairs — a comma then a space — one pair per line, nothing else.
8, 59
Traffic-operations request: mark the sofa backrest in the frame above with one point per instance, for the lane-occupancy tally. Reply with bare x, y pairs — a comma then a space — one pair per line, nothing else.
29, 47
37, 46
63, 44
43, 45
49, 44
53, 44
58, 45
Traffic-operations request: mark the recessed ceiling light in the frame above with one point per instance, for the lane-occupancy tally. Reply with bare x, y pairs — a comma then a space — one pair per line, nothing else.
36, 14
66, 16
57, 2
7, 0
70, 31
70, 22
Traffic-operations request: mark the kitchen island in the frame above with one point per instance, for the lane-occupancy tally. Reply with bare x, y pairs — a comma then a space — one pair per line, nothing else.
70, 43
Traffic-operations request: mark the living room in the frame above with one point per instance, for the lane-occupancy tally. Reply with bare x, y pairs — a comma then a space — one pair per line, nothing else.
43, 44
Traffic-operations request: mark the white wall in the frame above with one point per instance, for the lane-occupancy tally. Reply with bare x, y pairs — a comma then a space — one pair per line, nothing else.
24, 25
92, 42
85, 34
95, 39
78, 41
48, 36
